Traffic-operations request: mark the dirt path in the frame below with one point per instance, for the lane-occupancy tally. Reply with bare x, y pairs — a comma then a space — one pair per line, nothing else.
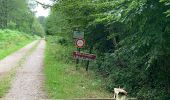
11, 61
28, 84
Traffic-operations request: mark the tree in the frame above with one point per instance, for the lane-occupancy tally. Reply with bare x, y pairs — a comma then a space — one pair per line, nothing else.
130, 38
41, 19
17, 15
38, 28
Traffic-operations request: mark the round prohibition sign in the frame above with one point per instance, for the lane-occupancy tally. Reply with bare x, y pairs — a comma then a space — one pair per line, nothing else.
80, 43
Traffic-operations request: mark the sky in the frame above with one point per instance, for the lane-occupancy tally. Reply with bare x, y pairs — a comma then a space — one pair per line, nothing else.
40, 10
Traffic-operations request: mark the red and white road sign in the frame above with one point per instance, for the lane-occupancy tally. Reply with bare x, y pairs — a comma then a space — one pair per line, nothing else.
80, 43
83, 56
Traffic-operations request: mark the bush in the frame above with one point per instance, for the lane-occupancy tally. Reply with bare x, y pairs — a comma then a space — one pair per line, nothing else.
56, 43
11, 40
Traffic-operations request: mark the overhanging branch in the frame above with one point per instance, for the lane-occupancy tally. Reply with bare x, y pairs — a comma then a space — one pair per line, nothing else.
44, 5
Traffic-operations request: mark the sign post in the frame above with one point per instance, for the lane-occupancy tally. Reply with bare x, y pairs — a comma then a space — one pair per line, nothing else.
77, 60
88, 62
80, 43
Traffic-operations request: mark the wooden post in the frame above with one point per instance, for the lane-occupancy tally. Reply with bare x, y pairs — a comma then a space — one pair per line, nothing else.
88, 62
77, 60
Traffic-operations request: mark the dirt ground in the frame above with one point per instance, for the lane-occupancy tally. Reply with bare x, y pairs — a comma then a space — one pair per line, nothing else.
11, 61
28, 83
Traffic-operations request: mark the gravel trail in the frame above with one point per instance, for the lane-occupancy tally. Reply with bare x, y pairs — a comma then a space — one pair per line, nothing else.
28, 83
12, 60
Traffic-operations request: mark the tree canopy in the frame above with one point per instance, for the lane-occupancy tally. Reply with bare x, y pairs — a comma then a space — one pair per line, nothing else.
16, 14
130, 38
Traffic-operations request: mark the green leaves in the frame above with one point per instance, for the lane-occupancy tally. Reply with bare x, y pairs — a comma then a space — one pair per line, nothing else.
167, 3
16, 15
130, 38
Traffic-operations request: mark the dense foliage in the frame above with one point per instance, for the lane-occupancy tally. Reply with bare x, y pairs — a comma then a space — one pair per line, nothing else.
130, 38
16, 15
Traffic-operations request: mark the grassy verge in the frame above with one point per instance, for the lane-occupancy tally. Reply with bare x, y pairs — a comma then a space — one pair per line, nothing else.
5, 80
63, 81
11, 41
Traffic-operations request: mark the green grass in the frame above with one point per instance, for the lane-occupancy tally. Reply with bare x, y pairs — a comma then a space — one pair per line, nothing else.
63, 81
11, 41
5, 82
6, 78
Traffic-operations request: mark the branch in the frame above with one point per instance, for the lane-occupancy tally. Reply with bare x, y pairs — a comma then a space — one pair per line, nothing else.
44, 5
